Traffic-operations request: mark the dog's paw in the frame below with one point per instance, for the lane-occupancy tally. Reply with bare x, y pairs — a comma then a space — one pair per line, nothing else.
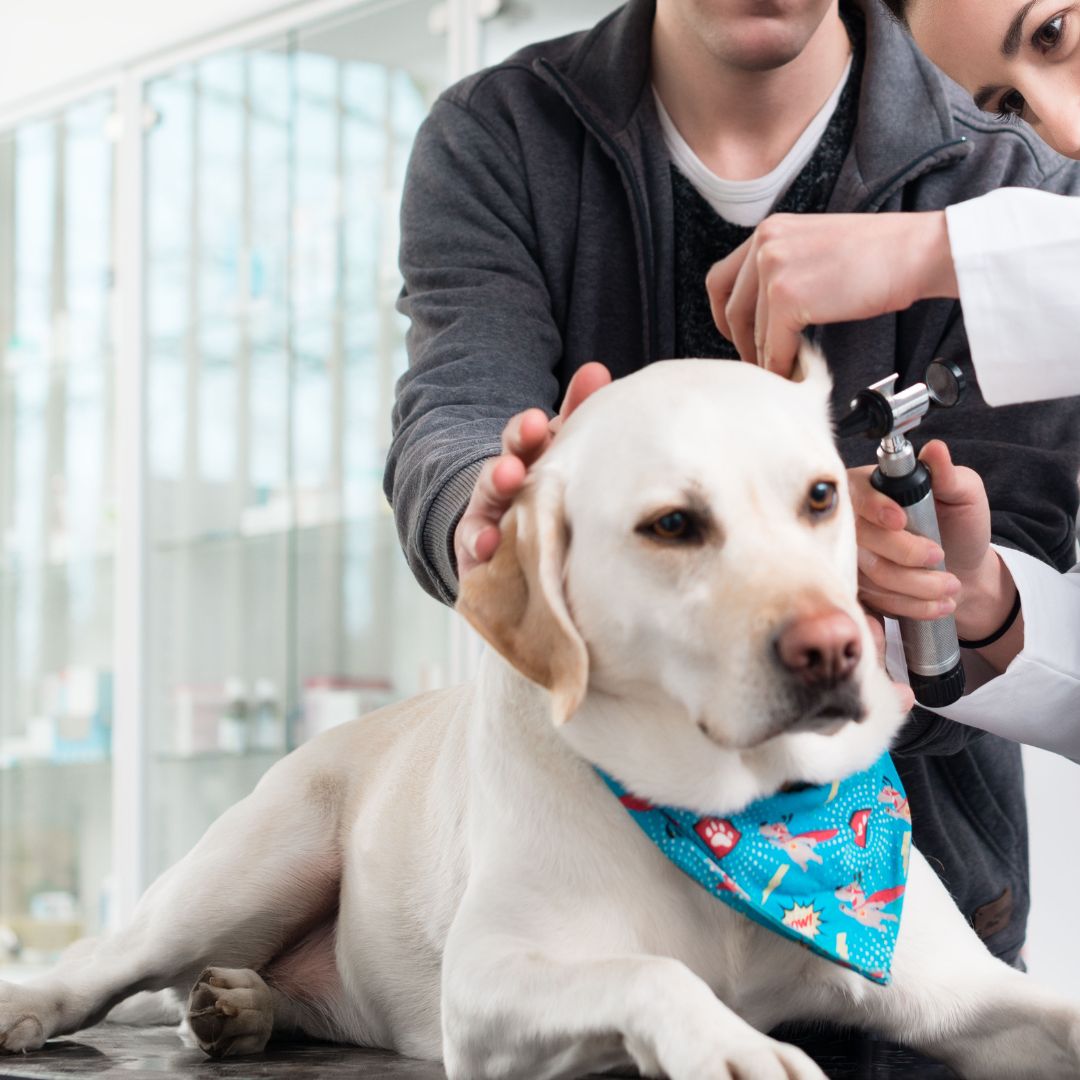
230, 1012
758, 1057
22, 1019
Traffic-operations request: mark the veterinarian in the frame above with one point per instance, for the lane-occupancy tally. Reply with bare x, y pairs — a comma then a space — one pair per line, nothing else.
565, 207
1012, 257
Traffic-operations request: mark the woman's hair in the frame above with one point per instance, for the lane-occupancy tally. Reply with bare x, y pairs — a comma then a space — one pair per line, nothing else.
898, 8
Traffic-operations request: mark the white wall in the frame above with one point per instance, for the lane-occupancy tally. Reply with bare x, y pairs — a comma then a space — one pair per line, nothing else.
48, 44
1052, 951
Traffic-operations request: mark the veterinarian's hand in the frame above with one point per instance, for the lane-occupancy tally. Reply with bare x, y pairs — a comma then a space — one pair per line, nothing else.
904, 694
525, 437
894, 574
801, 270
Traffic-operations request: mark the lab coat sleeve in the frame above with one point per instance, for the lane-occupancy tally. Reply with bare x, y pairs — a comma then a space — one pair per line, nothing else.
1017, 258
1037, 699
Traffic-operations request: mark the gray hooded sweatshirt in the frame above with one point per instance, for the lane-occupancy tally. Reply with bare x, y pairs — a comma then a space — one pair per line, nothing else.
537, 236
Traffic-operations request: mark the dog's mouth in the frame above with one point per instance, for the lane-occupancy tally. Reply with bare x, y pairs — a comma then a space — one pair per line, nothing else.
826, 714
829, 712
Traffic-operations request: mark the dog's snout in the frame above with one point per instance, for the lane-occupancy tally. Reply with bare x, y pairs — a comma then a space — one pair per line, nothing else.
820, 649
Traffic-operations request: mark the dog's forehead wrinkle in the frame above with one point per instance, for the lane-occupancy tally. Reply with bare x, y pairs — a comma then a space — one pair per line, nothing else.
709, 404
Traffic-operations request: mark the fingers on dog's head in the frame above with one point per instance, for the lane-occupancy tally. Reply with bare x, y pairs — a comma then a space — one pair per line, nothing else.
517, 603
812, 369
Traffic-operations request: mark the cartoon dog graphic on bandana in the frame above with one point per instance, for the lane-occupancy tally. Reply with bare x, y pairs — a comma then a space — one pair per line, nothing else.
798, 847
868, 910
898, 804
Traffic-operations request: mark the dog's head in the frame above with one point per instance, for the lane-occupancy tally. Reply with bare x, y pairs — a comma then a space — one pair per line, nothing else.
680, 574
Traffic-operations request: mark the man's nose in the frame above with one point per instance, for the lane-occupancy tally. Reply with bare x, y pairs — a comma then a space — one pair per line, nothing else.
821, 649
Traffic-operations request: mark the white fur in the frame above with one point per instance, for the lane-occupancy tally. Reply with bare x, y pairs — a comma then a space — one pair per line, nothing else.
449, 878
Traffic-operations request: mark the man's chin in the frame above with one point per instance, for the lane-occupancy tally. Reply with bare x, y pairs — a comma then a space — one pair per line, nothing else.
769, 43
767, 56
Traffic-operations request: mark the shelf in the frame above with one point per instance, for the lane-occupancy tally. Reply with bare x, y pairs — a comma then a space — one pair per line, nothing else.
44, 764
169, 757
227, 537
18, 567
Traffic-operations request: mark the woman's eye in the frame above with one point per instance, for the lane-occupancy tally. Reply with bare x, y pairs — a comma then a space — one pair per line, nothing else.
673, 526
1011, 105
821, 498
1049, 35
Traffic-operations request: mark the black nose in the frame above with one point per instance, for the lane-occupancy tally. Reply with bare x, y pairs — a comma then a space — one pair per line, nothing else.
821, 649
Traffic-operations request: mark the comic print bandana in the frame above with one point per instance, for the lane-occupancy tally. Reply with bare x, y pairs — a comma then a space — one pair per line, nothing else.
825, 866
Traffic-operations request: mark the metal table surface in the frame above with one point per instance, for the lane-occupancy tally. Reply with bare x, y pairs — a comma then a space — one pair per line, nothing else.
114, 1052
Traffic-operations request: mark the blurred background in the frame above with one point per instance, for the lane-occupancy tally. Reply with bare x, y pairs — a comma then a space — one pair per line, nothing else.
198, 349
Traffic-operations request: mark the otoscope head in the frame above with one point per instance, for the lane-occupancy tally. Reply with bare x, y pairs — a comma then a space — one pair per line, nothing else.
881, 411
871, 415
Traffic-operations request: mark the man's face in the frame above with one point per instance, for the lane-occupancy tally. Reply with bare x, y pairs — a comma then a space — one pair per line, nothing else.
751, 35
1017, 58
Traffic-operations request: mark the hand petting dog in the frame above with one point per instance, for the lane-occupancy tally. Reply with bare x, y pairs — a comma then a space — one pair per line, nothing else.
524, 440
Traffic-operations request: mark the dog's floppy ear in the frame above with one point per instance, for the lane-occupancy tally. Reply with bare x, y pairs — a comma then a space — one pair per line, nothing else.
517, 603
811, 368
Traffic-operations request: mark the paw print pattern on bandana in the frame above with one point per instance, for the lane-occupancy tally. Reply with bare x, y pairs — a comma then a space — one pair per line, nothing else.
822, 866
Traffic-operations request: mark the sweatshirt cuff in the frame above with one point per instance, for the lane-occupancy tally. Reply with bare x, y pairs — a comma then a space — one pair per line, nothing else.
442, 519
1036, 700
1014, 251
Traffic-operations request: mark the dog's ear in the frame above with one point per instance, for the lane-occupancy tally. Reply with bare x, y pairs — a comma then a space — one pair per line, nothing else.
811, 368
517, 602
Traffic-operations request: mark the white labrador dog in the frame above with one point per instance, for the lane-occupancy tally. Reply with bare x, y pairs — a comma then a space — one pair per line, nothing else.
673, 600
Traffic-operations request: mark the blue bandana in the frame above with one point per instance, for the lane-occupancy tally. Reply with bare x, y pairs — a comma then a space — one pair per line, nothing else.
824, 866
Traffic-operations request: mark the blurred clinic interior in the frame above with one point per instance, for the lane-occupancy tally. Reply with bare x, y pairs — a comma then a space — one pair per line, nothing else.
198, 349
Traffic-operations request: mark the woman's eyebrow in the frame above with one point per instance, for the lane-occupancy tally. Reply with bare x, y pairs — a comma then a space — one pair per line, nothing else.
983, 95
1011, 45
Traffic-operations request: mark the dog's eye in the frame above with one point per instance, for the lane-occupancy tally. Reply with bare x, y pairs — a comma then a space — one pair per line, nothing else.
675, 525
821, 498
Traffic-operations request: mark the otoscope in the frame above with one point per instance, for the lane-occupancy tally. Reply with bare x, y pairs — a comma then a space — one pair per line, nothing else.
882, 412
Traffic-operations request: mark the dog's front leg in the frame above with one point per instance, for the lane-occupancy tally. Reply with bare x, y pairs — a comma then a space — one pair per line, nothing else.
952, 999
512, 1009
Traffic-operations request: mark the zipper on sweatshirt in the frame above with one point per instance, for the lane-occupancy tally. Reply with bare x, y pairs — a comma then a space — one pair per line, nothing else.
619, 155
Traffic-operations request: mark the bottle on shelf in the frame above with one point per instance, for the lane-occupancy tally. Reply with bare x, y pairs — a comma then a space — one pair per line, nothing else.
233, 733
267, 726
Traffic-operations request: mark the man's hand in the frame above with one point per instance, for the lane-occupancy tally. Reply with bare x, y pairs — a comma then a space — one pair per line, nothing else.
801, 270
894, 566
525, 437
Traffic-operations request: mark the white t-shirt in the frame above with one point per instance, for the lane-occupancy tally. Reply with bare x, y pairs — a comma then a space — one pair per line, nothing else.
748, 202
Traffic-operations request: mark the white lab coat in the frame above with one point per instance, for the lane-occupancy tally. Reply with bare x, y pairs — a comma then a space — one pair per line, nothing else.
1017, 258
1037, 699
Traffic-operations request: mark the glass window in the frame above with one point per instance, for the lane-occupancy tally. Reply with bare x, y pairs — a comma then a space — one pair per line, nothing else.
56, 530
280, 603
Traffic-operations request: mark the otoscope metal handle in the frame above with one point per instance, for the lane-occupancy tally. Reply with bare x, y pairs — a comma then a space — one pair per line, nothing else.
931, 648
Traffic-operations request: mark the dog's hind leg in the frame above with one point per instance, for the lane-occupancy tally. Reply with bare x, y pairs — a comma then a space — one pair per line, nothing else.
264, 874
232, 1012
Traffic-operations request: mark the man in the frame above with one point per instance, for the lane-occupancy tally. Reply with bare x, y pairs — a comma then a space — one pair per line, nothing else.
565, 207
